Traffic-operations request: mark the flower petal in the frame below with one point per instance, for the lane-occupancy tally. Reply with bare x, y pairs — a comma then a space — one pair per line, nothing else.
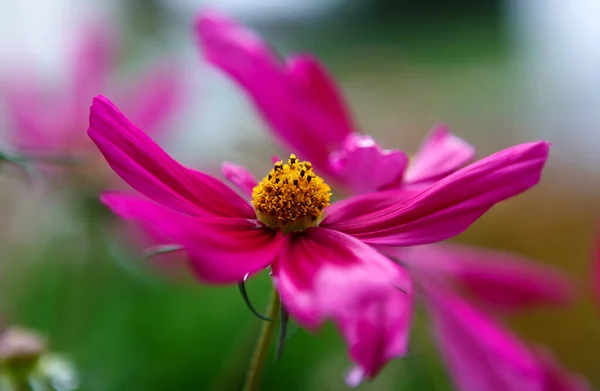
247, 59
226, 250
500, 279
148, 169
93, 61
376, 328
158, 222
479, 353
316, 90
441, 154
300, 104
240, 177
221, 250
445, 209
154, 98
325, 274
40, 123
365, 167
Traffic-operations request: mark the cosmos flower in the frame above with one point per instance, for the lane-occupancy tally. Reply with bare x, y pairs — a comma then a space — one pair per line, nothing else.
323, 262
301, 103
51, 121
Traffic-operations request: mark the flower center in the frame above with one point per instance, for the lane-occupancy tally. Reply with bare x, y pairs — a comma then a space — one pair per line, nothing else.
291, 197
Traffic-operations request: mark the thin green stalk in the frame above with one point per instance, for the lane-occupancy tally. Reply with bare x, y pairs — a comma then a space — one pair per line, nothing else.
261, 350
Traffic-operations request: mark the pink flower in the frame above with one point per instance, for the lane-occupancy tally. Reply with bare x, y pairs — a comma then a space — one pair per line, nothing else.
53, 122
482, 355
321, 256
304, 109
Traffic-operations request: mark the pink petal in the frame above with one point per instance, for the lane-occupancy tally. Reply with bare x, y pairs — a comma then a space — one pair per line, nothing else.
155, 98
480, 354
365, 167
441, 154
38, 122
246, 58
500, 279
148, 169
317, 90
225, 250
445, 209
325, 274
376, 329
240, 177
221, 250
93, 61
157, 222
284, 98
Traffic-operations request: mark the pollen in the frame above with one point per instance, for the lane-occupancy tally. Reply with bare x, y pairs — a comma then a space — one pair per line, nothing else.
291, 197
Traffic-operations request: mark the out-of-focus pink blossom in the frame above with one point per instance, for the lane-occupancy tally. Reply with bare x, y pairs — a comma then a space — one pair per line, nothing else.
53, 122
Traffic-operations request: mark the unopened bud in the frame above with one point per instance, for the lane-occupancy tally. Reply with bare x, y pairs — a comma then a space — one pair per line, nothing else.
21, 345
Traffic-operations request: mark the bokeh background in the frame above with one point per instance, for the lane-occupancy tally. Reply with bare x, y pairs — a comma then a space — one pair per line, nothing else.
498, 72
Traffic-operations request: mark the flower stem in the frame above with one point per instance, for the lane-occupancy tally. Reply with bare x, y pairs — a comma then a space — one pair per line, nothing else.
261, 350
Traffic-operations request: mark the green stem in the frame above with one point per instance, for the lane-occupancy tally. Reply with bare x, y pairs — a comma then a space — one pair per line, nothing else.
261, 350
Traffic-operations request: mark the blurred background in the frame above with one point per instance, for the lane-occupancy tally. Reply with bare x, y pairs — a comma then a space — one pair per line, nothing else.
498, 72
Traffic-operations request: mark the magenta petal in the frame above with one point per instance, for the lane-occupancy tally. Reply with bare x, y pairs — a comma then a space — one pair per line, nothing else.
93, 62
445, 209
247, 59
221, 250
377, 330
286, 99
148, 169
39, 122
225, 250
480, 355
326, 274
158, 222
441, 154
154, 99
316, 89
240, 177
365, 167
499, 279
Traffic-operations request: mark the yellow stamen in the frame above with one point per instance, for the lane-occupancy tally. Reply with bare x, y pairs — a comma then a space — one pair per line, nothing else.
291, 197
